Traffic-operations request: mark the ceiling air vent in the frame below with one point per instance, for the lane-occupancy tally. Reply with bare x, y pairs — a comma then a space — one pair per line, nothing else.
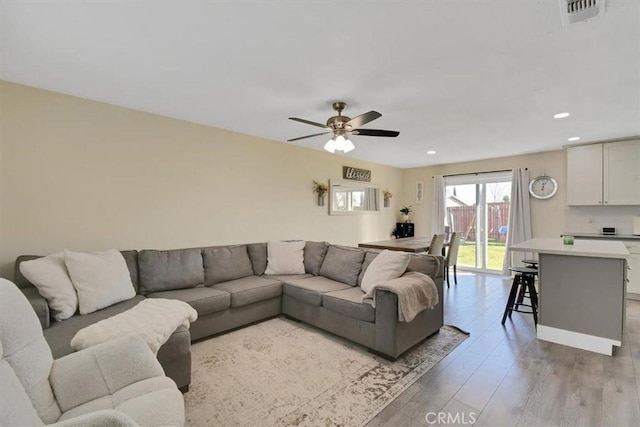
580, 10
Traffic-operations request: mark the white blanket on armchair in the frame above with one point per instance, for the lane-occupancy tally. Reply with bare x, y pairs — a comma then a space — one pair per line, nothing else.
416, 292
153, 320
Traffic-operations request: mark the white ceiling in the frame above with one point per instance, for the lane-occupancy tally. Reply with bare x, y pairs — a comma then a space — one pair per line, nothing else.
471, 79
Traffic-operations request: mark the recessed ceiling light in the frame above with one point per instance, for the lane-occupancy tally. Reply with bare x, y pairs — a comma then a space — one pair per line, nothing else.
431, 152
574, 138
561, 115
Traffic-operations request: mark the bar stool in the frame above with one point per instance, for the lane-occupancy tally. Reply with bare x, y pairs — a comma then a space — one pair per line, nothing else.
523, 286
531, 263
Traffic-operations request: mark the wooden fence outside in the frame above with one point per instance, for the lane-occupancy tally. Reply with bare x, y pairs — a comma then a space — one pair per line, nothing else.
464, 219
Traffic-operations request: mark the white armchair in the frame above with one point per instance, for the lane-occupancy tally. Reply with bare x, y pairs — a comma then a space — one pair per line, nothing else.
118, 383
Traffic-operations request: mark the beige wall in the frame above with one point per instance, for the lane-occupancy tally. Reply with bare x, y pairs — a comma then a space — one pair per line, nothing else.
547, 216
87, 176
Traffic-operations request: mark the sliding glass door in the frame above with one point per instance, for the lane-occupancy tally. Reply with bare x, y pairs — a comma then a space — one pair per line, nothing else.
478, 209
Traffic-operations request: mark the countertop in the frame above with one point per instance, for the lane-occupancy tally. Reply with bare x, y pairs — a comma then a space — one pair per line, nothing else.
586, 248
603, 236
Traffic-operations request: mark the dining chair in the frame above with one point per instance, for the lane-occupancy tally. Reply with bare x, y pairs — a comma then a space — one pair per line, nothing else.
436, 245
451, 260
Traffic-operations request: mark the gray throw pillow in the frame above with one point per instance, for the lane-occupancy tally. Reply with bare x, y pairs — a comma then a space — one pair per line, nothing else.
224, 263
258, 255
431, 265
342, 264
167, 270
314, 253
367, 260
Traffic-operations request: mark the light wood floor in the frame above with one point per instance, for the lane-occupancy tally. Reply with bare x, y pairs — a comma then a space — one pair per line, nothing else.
504, 376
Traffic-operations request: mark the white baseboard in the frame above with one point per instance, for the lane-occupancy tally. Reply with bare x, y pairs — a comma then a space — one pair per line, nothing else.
577, 340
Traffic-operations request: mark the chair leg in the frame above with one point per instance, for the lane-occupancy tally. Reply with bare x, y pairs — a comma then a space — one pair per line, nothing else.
521, 294
446, 274
511, 300
455, 274
533, 296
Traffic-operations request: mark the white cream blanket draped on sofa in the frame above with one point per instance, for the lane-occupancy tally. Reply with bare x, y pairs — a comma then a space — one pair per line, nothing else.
416, 292
153, 320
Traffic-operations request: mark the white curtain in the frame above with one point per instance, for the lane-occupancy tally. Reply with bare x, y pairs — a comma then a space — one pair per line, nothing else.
372, 199
438, 205
519, 218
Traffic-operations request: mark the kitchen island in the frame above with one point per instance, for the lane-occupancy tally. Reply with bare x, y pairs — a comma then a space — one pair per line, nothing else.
581, 292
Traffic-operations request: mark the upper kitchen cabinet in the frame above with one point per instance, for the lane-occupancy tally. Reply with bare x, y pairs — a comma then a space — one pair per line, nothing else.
604, 174
584, 175
621, 184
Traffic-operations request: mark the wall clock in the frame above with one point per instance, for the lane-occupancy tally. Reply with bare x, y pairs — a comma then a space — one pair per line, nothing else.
543, 187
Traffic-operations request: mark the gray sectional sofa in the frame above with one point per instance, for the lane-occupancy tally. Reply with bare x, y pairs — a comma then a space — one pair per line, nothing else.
227, 286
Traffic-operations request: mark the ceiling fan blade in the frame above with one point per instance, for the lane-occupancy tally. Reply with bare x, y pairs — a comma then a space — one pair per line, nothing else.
376, 132
320, 125
363, 119
308, 136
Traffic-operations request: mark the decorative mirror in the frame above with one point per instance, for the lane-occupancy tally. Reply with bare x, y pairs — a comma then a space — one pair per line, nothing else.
353, 197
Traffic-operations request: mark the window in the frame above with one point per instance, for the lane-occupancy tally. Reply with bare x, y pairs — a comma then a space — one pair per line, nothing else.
477, 206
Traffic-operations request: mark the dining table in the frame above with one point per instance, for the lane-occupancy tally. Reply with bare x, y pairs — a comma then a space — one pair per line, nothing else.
405, 244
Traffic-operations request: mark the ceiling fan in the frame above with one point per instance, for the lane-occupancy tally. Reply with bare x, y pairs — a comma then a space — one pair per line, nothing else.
342, 126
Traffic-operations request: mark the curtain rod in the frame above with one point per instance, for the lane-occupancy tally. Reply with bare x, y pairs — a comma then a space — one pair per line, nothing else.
479, 173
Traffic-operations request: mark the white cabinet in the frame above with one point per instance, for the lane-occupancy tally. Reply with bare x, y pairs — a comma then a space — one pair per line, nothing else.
584, 175
633, 273
604, 174
621, 184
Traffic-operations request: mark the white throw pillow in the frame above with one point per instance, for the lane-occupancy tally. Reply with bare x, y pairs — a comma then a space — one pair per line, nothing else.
388, 265
49, 275
100, 278
285, 257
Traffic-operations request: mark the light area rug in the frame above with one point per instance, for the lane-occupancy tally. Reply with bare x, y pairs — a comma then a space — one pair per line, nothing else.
284, 373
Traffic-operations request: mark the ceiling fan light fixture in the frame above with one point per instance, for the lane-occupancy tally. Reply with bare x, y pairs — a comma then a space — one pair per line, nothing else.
348, 146
339, 143
330, 146
342, 126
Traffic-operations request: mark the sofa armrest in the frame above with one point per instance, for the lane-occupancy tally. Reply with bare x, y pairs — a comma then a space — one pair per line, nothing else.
105, 417
386, 322
102, 370
39, 305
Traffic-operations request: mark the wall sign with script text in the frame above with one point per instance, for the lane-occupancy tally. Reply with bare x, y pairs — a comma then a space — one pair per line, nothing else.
356, 174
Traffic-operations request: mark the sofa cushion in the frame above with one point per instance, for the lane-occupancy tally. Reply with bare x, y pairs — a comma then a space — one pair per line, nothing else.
50, 276
258, 256
348, 302
342, 264
152, 401
369, 256
131, 258
250, 289
204, 300
16, 409
286, 277
168, 270
285, 257
224, 263
314, 253
20, 280
387, 266
310, 290
431, 265
101, 278
59, 334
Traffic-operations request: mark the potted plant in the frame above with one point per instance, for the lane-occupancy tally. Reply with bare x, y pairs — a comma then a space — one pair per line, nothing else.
406, 211
386, 195
321, 188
